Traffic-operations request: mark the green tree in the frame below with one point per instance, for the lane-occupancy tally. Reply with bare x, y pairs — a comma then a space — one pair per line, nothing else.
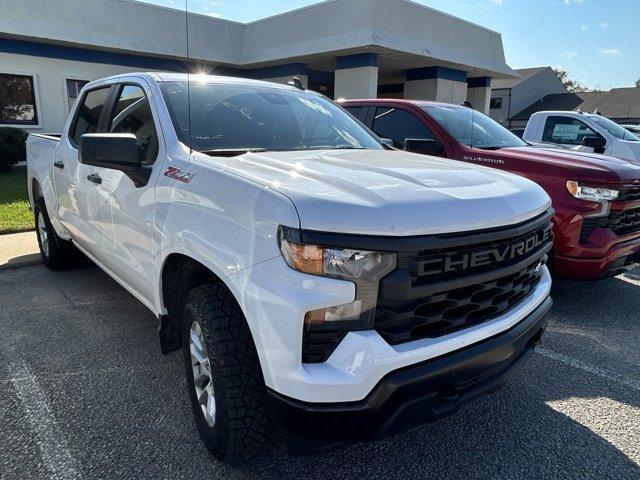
571, 84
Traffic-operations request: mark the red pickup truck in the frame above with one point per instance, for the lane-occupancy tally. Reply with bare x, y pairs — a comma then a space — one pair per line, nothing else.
596, 198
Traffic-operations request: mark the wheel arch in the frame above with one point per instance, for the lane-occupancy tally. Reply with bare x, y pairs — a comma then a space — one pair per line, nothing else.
35, 190
180, 273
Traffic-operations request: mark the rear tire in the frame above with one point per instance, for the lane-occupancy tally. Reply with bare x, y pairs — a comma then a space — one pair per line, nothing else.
224, 378
56, 253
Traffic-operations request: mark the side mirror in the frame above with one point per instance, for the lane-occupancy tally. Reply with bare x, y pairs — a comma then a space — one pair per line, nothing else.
118, 151
424, 146
388, 142
597, 143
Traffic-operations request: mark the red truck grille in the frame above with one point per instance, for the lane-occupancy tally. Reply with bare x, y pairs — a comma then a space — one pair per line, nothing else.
623, 222
620, 222
630, 194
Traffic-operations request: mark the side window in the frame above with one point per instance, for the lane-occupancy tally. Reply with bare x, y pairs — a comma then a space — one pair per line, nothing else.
359, 112
88, 115
566, 130
495, 103
73, 90
132, 114
398, 125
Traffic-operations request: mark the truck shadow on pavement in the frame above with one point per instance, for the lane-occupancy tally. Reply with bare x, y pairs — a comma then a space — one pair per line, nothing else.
119, 408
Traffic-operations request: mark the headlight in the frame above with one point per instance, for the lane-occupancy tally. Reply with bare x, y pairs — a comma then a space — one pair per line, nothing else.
362, 267
594, 194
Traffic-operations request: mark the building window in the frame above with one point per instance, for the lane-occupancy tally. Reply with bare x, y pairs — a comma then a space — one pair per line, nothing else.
73, 90
495, 103
17, 100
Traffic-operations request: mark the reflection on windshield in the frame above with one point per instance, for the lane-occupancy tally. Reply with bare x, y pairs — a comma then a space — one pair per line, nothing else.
614, 129
472, 128
226, 118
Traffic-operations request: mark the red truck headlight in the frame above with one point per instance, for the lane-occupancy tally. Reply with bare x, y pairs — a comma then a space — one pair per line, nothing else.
593, 194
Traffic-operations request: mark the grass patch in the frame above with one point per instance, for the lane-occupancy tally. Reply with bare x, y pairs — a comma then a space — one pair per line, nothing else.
14, 201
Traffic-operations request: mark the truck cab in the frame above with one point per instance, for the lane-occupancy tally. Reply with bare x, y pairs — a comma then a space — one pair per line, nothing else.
583, 132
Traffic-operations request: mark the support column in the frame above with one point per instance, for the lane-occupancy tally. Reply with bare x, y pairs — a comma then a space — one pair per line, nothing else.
440, 84
356, 76
479, 93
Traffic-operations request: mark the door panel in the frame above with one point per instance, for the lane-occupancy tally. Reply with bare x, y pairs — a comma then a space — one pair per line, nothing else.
125, 212
75, 201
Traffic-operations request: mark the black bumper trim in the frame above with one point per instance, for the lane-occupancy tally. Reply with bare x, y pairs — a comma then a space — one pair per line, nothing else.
417, 394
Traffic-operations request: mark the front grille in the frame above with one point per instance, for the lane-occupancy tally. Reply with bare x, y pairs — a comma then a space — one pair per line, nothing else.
629, 194
318, 345
623, 222
620, 222
449, 311
589, 224
414, 302
444, 283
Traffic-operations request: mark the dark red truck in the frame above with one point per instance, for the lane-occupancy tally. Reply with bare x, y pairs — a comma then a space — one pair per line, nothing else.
596, 198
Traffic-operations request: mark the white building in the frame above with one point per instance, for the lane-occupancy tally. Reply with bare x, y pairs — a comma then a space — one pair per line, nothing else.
343, 48
511, 96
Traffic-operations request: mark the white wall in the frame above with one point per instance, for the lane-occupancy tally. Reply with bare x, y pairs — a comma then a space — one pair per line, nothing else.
50, 84
480, 98
529, 91
331, 26
501, 114
438, 89
359, 82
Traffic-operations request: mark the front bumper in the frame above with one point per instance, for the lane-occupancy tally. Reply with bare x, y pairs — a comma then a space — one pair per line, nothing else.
618, 259
417, 394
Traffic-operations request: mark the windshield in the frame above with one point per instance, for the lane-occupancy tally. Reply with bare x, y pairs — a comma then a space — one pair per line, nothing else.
472, 128
246, 117
614, 129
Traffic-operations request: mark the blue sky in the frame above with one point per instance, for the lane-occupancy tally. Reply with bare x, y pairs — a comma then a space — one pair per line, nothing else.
596, 41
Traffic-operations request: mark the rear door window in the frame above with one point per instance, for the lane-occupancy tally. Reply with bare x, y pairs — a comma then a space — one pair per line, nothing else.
132, 114
359, 112
398, 125
566, 131
89, 111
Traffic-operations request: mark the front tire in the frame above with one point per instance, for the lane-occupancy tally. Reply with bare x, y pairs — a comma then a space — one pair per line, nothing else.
224, 378
56, 253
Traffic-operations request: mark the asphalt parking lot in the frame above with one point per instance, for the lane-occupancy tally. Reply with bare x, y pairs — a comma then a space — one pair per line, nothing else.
85, 393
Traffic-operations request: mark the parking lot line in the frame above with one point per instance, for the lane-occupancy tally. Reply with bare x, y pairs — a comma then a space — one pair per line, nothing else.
591, 369
53, 449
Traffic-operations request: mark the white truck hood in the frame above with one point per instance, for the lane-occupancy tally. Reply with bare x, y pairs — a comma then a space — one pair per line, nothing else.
392, 193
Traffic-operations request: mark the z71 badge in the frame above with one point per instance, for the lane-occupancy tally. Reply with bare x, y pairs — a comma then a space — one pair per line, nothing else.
178, 174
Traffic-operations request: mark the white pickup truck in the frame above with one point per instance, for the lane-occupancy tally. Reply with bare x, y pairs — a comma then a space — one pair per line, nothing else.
314, 278
583, 132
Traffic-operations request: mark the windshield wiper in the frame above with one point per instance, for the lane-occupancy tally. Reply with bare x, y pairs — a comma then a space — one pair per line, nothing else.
334, 147
491, 148
231, 152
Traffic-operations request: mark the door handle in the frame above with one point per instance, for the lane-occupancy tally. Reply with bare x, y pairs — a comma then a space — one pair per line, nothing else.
95, 178
58, 164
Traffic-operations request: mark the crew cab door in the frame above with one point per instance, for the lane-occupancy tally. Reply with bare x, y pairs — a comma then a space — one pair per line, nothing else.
75, 204
126, 213
569, 131
398, 125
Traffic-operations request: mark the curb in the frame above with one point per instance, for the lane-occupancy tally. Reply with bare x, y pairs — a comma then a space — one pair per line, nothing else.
12, 232
22, 261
